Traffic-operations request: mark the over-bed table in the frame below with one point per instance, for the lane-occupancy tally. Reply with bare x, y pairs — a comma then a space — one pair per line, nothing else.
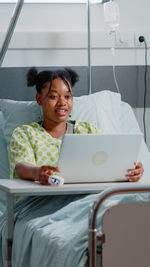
18, 187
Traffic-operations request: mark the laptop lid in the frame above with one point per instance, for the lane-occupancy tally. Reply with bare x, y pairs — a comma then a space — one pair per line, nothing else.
98, 158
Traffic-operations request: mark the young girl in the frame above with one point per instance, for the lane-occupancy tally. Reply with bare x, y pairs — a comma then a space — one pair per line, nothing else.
34, 148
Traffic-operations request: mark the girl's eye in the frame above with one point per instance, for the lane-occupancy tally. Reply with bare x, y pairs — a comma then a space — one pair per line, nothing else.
53, 96
68, 96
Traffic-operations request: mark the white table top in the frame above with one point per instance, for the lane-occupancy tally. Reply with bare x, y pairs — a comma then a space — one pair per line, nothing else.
24, 187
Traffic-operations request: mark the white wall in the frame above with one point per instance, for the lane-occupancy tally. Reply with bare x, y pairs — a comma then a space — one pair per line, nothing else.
56, 35
65, 26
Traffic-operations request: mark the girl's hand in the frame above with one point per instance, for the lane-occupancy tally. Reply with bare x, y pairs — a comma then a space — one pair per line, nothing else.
44, 172
134, 175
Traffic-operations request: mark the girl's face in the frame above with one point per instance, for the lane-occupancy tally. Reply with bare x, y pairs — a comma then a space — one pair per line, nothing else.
56, 104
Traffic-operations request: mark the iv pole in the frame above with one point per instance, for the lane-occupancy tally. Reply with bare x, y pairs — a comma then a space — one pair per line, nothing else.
89, 51
89, 43
10, 30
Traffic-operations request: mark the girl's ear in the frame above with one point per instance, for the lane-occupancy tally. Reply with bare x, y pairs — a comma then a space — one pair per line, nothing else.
38, 99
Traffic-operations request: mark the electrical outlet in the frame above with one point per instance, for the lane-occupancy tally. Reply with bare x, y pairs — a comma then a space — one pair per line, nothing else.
137, 43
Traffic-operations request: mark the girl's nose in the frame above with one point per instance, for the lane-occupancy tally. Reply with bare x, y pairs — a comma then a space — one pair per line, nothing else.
62, 101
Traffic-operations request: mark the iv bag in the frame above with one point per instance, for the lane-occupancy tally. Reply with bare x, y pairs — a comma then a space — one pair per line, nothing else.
112, 14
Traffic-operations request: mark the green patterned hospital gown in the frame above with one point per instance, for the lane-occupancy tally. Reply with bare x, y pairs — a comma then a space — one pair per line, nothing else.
33, 144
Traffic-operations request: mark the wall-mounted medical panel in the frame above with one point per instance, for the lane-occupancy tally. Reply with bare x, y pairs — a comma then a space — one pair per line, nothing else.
130, 81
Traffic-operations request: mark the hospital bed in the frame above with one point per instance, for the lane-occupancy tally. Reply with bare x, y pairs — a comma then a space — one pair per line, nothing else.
60, 237
53, 229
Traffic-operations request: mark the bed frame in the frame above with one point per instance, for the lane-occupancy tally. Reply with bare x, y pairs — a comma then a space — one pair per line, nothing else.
121, 247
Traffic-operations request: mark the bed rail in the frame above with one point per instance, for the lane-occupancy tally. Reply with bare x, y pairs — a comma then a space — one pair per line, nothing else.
10, 30
92, 231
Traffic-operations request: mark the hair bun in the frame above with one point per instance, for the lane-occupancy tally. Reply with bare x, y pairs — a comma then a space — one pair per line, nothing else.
74, 77
32, 76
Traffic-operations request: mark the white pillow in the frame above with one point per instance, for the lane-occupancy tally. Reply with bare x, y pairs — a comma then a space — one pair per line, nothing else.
4, 164
101, 109
18, 112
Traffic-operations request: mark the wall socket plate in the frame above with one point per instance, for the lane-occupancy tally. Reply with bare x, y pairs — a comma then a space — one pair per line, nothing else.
137, 43
124, 39
121, 40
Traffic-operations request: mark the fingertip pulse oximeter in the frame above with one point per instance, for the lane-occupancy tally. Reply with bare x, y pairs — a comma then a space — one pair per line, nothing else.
56, 180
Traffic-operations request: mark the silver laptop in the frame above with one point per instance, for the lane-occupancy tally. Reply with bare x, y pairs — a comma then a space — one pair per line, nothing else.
98, 158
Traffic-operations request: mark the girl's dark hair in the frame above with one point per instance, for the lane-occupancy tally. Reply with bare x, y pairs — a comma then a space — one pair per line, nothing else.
69, 76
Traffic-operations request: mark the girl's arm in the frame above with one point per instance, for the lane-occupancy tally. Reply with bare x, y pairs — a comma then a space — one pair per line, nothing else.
30, 172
